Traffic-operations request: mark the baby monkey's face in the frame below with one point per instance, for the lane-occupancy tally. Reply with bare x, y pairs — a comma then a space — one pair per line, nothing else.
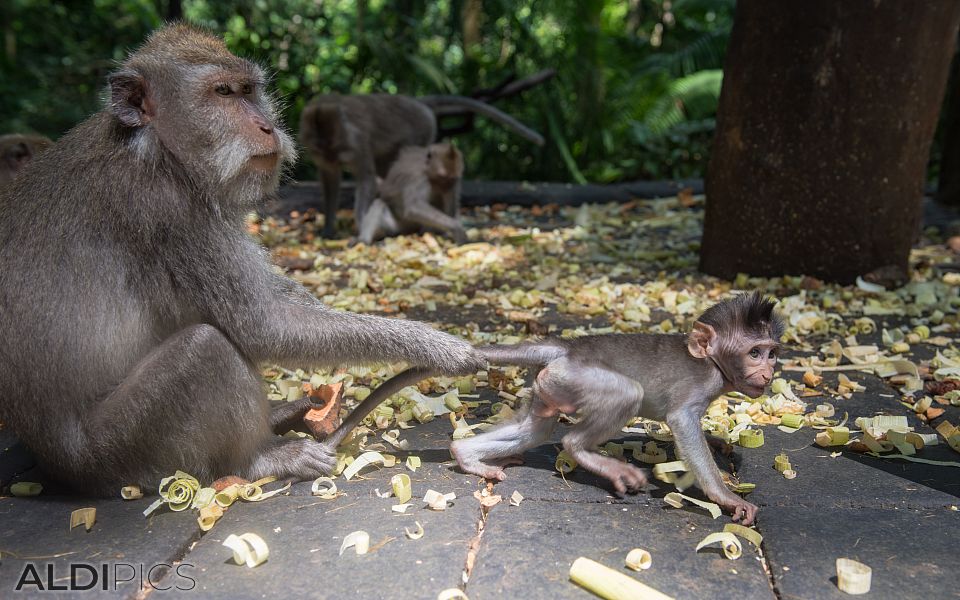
757, 362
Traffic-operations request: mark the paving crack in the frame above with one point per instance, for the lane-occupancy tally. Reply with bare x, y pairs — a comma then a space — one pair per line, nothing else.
176, 558
473, 546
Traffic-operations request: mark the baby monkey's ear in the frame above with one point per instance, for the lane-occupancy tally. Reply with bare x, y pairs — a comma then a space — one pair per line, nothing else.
701, 342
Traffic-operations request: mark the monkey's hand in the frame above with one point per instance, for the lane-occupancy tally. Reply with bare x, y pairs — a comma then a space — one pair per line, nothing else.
449, 355
743, 511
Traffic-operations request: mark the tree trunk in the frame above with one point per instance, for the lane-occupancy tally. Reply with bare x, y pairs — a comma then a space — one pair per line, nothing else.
589, 68
471, 18
823, 133
948, 189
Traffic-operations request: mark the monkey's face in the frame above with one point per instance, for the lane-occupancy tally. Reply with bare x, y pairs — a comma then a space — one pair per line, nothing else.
444, 164
746, 360
757, 362
236, 138
184, 92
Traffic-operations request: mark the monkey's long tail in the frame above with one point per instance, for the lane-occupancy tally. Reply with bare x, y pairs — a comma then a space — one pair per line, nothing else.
438, 102
525, 355
386, 389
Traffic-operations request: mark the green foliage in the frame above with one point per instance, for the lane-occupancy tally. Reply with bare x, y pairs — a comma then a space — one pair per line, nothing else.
634, 97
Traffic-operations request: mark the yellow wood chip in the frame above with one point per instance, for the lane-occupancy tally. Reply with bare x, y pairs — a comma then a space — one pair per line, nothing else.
85, 516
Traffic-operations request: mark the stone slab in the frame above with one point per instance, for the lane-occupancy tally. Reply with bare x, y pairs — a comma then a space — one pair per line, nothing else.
912, 552
526, 552
35, 531
305, 533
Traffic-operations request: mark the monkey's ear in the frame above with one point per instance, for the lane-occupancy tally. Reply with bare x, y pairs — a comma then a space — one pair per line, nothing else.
700, 341
128, 98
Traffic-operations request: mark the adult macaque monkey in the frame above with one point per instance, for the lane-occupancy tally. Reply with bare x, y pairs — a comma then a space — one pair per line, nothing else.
611, 378
421, 191
138, 297
364, 134
16, 150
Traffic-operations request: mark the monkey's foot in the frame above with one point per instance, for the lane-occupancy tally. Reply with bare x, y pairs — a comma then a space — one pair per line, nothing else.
743, 511
472, 464
624, 476
290, 415
302, 459
485, 470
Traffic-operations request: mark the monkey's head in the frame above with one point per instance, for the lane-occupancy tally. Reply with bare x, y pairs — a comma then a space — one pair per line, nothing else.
322, 130
444, 164
17, 150
742, 336
184, 95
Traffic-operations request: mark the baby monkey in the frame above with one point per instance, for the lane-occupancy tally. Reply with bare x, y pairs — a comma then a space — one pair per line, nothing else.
421, 191
612, 378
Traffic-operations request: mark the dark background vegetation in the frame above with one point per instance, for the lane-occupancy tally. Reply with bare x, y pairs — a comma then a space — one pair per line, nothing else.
635, 94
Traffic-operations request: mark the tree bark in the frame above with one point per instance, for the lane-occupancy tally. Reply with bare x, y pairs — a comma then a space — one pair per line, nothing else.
948, 189
823, 132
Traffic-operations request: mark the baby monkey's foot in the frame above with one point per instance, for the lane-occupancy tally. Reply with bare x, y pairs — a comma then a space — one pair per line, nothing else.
494, 468
473, 464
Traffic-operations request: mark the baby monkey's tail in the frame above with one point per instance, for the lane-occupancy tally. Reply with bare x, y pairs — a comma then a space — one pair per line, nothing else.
528, 354
376, 397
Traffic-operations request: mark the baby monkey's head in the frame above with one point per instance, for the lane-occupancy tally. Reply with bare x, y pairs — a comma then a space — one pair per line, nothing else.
742, 336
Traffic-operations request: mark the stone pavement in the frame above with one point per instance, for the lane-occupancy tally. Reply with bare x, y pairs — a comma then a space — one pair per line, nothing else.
899, 518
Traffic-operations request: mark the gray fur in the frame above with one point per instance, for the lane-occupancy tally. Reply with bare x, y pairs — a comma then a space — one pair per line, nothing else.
364, 135
134, 307
16, 150
421, 193
611, 378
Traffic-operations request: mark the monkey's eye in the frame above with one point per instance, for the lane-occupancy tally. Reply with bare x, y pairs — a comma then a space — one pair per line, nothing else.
223, 89
429, 155
772, 355
247, 89
755, 353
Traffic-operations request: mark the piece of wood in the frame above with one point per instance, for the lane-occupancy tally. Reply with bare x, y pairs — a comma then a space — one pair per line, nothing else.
225, 482
324, 420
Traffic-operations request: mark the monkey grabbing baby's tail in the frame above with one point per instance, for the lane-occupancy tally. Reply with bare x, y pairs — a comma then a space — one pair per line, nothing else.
533, 354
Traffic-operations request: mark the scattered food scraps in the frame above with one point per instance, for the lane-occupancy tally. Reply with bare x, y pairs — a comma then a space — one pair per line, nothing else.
610, 584
23, 489
853, 577
437, 501
85, 516
358, 540
131, 492
324, 487
639, 559
727, 541
248, 548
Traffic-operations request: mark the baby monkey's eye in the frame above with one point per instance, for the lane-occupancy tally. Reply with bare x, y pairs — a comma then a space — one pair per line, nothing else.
247, 89
773, 354
223, 89
755, 353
